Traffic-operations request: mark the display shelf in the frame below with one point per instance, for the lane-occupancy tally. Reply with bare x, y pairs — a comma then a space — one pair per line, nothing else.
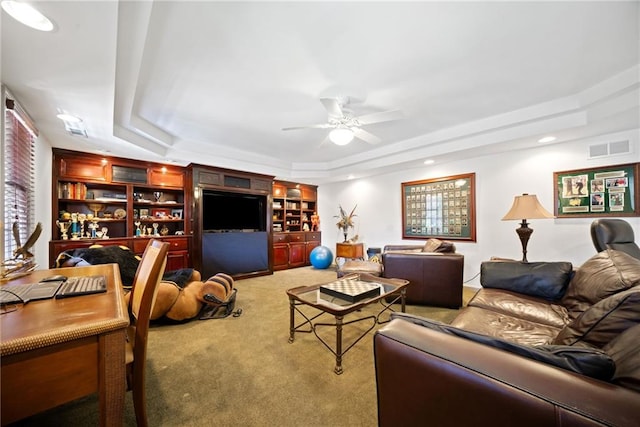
113, 193
293, 239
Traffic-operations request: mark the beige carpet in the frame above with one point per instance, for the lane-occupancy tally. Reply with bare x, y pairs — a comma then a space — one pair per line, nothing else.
242, 370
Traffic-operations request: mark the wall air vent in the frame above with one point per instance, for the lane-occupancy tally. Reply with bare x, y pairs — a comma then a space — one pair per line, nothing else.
609, 149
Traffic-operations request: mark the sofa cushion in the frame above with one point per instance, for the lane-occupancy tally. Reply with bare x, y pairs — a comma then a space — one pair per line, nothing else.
603, 275
546, 280
625, 352
522, 306
504, 326
603, 321
583, 360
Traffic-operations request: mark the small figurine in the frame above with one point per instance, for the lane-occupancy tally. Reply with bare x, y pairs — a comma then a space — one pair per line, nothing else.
315, 222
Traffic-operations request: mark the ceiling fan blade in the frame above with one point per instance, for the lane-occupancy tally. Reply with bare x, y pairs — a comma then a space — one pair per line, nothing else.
321, 126
366, 136
332, 106
384, 116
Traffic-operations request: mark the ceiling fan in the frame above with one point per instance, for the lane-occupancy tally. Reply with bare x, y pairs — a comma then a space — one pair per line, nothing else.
345, 126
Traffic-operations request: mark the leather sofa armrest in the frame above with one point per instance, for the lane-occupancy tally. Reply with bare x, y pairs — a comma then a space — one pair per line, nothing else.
423, 374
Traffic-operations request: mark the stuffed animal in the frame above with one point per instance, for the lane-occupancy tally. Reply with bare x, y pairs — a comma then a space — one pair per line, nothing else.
175, 303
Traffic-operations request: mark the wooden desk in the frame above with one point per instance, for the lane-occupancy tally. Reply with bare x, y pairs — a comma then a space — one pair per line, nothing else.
350, 250
55, 351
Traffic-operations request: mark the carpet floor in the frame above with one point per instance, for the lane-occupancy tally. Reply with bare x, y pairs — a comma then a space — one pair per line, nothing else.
243, 371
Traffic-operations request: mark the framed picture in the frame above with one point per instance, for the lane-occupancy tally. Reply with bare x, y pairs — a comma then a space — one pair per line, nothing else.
440, 207
176, 213
160, 213
144, 213
602, 191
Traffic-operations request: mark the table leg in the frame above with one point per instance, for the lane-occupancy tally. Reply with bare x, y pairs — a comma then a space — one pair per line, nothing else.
403, 294
338, 369
111, 378
292, 326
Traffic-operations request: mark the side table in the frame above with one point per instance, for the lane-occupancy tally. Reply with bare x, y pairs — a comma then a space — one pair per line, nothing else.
350, 250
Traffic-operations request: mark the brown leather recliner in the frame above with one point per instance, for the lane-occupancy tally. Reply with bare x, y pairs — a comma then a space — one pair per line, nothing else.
435, 277
611, 233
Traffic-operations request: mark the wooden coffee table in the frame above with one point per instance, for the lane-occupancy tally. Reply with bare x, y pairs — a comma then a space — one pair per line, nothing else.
310, 296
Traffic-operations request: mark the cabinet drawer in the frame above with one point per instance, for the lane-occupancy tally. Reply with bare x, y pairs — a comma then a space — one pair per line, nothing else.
296, 237
279, 238
178, 244
312, 237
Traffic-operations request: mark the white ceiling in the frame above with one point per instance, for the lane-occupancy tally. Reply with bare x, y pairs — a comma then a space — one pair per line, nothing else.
214, 83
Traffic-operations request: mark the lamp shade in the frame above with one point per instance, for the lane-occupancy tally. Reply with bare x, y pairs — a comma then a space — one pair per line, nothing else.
526, 206
341, 136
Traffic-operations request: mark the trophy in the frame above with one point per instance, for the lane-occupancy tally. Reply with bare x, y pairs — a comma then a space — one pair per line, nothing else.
75, 229
157, 195
81, 219
155, 229
148, 231
138, 232
93, 226
64, 226
104, 232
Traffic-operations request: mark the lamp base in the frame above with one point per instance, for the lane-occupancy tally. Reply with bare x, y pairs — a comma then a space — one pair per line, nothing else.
524, 232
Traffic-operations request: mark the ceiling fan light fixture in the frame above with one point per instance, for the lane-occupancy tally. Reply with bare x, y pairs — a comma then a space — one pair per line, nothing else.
341, 136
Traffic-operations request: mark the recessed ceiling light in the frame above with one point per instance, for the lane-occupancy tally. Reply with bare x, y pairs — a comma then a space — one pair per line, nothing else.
547, 139
27, 15
429, 162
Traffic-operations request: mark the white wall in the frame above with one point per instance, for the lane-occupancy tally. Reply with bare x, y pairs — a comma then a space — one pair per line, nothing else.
498, 179
43, 209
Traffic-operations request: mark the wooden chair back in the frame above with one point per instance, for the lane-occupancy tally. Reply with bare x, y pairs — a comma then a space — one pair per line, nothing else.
145, 287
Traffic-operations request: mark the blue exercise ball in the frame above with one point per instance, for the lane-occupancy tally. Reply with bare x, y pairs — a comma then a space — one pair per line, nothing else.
321, 257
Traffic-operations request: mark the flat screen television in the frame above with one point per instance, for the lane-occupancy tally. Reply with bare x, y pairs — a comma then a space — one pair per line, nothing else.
226, 212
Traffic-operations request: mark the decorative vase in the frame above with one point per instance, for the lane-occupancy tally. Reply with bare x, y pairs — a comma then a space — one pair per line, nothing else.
345, 231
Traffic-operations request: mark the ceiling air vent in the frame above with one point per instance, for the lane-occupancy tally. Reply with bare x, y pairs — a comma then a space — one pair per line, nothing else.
609, 149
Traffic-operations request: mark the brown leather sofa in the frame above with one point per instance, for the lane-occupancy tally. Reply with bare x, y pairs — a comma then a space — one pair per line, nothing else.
435, 275
538, 345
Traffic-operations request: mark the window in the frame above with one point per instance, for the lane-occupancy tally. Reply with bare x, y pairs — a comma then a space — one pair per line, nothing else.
19, 153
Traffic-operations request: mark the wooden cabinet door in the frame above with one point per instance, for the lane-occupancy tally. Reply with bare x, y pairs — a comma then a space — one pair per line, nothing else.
297, 254
280, 256
308, 248
177, 260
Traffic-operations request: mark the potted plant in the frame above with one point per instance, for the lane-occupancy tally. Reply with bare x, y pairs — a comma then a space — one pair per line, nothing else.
345, 221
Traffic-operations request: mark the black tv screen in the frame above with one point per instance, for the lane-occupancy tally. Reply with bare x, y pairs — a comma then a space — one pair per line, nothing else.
222, 211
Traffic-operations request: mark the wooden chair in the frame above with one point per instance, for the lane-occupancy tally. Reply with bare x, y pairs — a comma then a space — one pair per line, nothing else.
145, 286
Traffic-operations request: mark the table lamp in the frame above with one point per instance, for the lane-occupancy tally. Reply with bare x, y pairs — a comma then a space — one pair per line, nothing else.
526, 206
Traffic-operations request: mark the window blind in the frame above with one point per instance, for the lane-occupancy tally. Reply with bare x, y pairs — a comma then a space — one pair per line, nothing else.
19, 160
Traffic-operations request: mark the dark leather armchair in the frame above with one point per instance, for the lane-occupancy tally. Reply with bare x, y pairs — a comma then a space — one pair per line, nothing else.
608, 233
436, 278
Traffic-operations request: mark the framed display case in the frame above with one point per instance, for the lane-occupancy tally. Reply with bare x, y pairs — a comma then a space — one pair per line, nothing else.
439, 208
602, 191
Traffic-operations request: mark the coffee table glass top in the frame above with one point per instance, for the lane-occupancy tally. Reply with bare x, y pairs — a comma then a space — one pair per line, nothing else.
312, 296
